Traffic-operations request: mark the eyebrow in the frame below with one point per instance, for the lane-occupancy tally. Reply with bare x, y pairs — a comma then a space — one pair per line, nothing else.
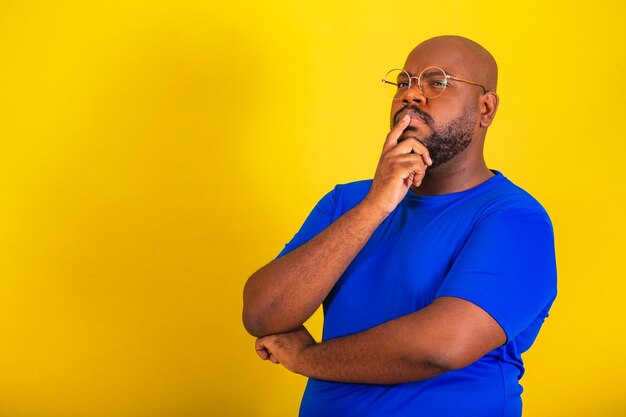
415, 76
435, 72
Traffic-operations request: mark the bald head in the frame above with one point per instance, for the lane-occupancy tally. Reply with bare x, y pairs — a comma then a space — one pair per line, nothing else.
461, 55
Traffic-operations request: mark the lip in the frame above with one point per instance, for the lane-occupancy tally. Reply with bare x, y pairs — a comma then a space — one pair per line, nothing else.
416, 118
417, 121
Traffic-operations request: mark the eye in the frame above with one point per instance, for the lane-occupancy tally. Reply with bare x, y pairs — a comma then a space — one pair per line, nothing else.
403, 84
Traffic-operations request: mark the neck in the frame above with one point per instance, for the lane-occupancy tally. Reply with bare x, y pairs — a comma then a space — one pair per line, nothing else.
465, 171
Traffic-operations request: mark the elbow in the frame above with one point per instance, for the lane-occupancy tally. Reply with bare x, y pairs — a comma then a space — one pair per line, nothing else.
252, 324
261, 324
257, 319
263, 314
252, 315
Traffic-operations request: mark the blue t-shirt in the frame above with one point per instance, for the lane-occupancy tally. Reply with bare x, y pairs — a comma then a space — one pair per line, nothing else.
492, 245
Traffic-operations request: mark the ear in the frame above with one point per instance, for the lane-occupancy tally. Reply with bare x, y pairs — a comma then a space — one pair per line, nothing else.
488, 107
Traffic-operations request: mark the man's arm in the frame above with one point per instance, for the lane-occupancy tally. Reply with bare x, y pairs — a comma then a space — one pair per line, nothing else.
501, 283
285, 293
449, 334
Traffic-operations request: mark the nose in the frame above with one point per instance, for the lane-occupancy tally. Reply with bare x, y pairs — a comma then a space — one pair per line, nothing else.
414, 95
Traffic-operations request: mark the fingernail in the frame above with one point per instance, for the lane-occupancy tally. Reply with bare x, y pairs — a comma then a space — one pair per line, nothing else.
406, 117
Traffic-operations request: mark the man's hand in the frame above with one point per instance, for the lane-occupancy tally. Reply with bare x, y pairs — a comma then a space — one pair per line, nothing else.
285, 348
401, 165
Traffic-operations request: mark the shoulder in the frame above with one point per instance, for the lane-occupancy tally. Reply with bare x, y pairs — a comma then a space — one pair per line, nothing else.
506, 198
348, 195
354, 189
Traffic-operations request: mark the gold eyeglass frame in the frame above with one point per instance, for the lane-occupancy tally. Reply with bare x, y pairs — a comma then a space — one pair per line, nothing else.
419, 80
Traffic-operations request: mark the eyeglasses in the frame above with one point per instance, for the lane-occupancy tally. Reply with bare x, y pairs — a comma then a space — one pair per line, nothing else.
432, 82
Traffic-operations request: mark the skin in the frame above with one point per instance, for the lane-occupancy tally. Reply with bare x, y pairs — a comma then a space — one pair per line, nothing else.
453, 333
465, 59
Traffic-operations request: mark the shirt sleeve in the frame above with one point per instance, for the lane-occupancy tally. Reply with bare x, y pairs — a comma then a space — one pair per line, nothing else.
507, 267
319, 219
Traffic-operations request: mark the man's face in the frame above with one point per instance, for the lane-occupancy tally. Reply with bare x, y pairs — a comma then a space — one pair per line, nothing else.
446, 124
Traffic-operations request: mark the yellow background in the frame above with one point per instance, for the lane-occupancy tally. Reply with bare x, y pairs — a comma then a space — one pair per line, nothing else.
153, 154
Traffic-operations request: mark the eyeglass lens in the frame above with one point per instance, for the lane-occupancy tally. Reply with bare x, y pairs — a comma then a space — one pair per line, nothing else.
432, 82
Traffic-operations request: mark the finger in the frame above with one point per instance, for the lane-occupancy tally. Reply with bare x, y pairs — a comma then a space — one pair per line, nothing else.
418, 178
409, 180
273, 359
407, 162
409, 170
396, 131
415, 178
263, 354
407, 157
414, 146
261, 350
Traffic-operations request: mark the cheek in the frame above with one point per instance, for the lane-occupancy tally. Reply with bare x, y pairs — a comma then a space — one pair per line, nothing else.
443, 112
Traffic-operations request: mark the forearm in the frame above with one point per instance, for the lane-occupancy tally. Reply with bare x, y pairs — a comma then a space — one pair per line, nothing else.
285, 293
381, 355
449, 334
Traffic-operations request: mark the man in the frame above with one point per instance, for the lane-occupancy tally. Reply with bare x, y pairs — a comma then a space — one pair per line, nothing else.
435, 276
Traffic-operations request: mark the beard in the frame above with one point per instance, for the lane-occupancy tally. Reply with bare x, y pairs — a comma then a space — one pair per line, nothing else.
446, 142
